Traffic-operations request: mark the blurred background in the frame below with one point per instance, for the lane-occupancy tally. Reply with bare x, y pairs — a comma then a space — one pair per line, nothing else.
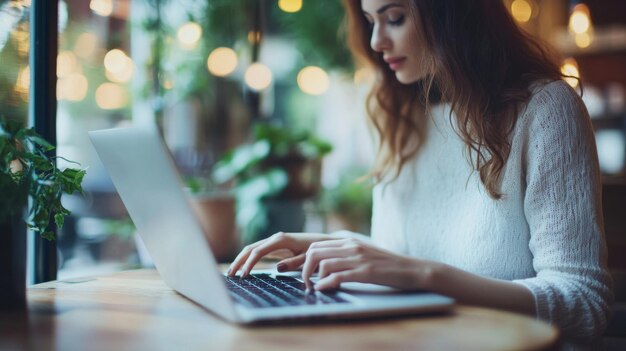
262, 109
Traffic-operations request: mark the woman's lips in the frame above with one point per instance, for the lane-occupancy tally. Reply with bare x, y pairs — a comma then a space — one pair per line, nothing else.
395, 63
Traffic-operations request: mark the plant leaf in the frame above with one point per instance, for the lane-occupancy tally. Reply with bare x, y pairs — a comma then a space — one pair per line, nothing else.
59, 219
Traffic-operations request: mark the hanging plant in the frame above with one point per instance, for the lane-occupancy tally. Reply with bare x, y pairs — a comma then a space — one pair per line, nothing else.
27, 171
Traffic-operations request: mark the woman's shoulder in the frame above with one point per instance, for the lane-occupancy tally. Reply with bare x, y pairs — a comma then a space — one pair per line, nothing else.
554, 101
554, 96
554, 108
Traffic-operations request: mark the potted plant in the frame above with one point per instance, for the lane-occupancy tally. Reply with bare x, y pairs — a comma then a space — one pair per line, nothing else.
272, 176
348, 206
27, 172
215, 211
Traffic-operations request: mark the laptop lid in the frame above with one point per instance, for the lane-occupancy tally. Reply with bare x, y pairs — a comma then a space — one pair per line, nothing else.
144, 175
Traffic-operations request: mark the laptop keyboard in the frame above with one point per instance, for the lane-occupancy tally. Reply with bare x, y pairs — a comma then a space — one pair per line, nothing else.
263, 290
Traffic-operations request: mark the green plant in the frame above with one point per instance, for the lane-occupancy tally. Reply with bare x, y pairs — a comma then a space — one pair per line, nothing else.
262, 169
198, 185
271, 143
350, 200
321, 42
26, 171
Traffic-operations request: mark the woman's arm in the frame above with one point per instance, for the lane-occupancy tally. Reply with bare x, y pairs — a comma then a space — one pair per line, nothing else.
476, 290
350, 260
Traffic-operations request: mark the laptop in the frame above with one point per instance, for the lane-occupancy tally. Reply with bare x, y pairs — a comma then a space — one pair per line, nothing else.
144, 174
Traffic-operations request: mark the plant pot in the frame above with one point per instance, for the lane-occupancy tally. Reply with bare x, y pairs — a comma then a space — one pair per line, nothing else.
216, 215
13, 264
304, 176
283, 215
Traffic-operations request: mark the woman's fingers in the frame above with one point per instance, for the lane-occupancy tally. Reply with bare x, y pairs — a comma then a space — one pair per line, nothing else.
335, 243
242, 257
334, 280
280, 254
275, 242
333, 265
315, 254
291, 264
252, 253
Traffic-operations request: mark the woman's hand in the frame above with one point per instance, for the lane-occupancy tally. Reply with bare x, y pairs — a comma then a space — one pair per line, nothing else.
342, 260
351, 260
295, 243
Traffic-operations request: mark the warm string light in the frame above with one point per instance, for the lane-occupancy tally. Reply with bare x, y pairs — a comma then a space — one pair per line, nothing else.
290, 6
189, 35
521, 10
580, 21
254, 37
73, 87
122, 76
313, 80
569, 68
72, 84
111, 96
580, 26
222, 62
102, 8
582, 40
66, 64
119, 67
258, 76
86, 45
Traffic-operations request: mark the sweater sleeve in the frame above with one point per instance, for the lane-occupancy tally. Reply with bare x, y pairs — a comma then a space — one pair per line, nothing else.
563, 208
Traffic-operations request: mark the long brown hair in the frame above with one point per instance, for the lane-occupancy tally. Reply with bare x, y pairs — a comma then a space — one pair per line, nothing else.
485, 66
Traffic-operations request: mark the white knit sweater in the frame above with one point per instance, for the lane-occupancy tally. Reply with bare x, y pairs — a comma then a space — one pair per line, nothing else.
546, 233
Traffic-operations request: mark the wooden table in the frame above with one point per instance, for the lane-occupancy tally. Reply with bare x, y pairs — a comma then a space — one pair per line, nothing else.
135, 310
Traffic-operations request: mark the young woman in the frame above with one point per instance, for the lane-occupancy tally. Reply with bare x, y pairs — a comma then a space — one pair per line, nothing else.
488, 188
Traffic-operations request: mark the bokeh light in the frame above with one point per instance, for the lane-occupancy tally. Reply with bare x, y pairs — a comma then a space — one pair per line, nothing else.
86, 45
222, 61
580, 21
521, 10
103, 8
313, 80
111, 96
582, 40
258, 76
290, 5
66, 64
124, 75
570, 68
115, 61
254, 37
189, 35
72, 88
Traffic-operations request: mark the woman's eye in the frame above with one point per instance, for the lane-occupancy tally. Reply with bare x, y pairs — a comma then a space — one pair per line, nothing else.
396, 22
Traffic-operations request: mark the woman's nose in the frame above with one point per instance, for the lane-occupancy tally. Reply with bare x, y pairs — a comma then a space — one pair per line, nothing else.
379, 40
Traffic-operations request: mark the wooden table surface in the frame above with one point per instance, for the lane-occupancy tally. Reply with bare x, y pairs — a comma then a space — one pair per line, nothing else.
135, 310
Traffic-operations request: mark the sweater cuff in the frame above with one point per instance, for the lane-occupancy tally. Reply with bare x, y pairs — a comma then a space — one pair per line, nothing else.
542, 299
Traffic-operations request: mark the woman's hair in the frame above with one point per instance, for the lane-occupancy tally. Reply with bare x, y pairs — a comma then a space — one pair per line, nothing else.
484, 68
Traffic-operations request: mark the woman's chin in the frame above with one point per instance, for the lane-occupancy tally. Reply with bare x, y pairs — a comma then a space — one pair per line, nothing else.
405, 79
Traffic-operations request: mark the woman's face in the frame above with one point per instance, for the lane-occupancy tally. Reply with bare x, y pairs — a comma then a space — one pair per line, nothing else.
396, 36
